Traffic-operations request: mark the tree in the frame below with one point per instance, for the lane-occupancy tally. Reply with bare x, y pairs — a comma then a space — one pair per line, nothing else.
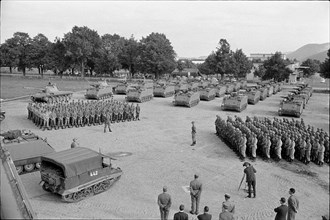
276, 68
223, 58
59, 61
314, 67
9, 55
19, 49
157, 55
260, 71
325, 67
40, 53
129, 55
241, 64
107, 60
82, 44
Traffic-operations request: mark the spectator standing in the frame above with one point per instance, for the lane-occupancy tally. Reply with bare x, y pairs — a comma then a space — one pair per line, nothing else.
229, 204
205, 215
281, 211
293, 205
181, 215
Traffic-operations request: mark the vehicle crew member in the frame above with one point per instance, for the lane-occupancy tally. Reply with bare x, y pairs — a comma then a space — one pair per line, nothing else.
74, 144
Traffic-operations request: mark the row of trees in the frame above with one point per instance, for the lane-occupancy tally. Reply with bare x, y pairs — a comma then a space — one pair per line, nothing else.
83, 48
225, 61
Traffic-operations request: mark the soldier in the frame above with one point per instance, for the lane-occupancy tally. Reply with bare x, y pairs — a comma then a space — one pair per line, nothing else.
74, 144
267, 147
321, 150
278, 147
243, 147
308, 151
107, 123
254, 147
164, 203
52, 120
292, 150
137, 113
193, 133
79, 117
60, 119
195, 194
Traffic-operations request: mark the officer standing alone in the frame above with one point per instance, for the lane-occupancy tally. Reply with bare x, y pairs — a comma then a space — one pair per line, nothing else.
193, 133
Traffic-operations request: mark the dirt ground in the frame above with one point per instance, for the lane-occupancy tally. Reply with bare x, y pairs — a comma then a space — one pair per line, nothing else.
156, 151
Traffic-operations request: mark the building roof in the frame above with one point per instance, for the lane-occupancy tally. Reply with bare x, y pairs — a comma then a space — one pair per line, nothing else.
75, 161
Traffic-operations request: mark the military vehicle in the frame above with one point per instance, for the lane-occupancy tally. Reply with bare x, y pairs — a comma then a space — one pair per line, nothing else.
263, 93
186, 98
276, 88
235, 102
230, 88
243, 84
220, 90
270, 90
237, 86
122, 88
207, 93
180, 86
291, 108
26, 149
99, 90
77, 173
51, 94
163, 89
193, 86
141, 92
253, 95
2, 115
15, 202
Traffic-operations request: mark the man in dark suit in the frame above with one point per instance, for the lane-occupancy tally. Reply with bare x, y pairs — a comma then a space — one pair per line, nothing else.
293, 205
181, 215
281, 211
249, 171
205, 215
164, 203
195, 194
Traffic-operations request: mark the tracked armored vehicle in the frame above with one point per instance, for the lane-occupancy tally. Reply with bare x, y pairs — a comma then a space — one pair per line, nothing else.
163, 89
51, 94
193, 86
237, 86
291, 108
26, 150
207, 93
270, 90
230, 88
220, 90
77, 173
263, 93
253, 95
186, 98
99, 90
180, 86
243, 84
276, 88
141, 92
122, 88
235, 102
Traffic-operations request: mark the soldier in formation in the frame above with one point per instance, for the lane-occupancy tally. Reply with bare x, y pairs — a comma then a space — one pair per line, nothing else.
276, 138
81, 113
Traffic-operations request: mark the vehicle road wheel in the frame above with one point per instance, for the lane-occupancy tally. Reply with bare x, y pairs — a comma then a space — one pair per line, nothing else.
38, 165
19, 169
29, 167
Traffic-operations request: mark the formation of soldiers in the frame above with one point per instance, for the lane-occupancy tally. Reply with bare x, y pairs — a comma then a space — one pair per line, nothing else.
277, 139
81, 113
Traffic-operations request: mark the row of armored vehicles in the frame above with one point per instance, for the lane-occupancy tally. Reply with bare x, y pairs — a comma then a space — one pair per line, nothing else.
295, 102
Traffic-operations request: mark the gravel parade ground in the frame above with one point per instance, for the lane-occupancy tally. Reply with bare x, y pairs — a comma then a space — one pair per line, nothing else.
156, 151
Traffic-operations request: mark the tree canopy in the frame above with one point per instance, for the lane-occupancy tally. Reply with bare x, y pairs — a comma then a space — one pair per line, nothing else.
325, 67
276, 68
313, 67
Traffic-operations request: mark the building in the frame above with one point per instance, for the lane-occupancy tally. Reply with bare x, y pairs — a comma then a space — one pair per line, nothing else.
261, 57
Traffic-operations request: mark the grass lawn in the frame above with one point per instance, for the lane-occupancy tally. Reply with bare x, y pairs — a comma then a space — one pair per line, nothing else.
18, 86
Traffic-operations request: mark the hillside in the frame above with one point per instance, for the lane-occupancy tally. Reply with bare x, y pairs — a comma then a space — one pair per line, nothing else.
319, 56
310, 50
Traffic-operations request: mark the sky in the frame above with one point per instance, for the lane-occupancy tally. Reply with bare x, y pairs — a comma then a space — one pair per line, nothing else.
194, 28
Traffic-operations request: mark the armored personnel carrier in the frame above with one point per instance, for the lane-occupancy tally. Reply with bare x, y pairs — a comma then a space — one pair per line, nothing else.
99, 90
253, 95
186, 98
276, 88
51, 94
263, 93
122, 88
141, 92
237, 86
235, 102
77, 173
180, 86
270, 90
291, 107
163, 89
193, 86
243, 84
220, 90
230, 88
207, 93
26, 149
